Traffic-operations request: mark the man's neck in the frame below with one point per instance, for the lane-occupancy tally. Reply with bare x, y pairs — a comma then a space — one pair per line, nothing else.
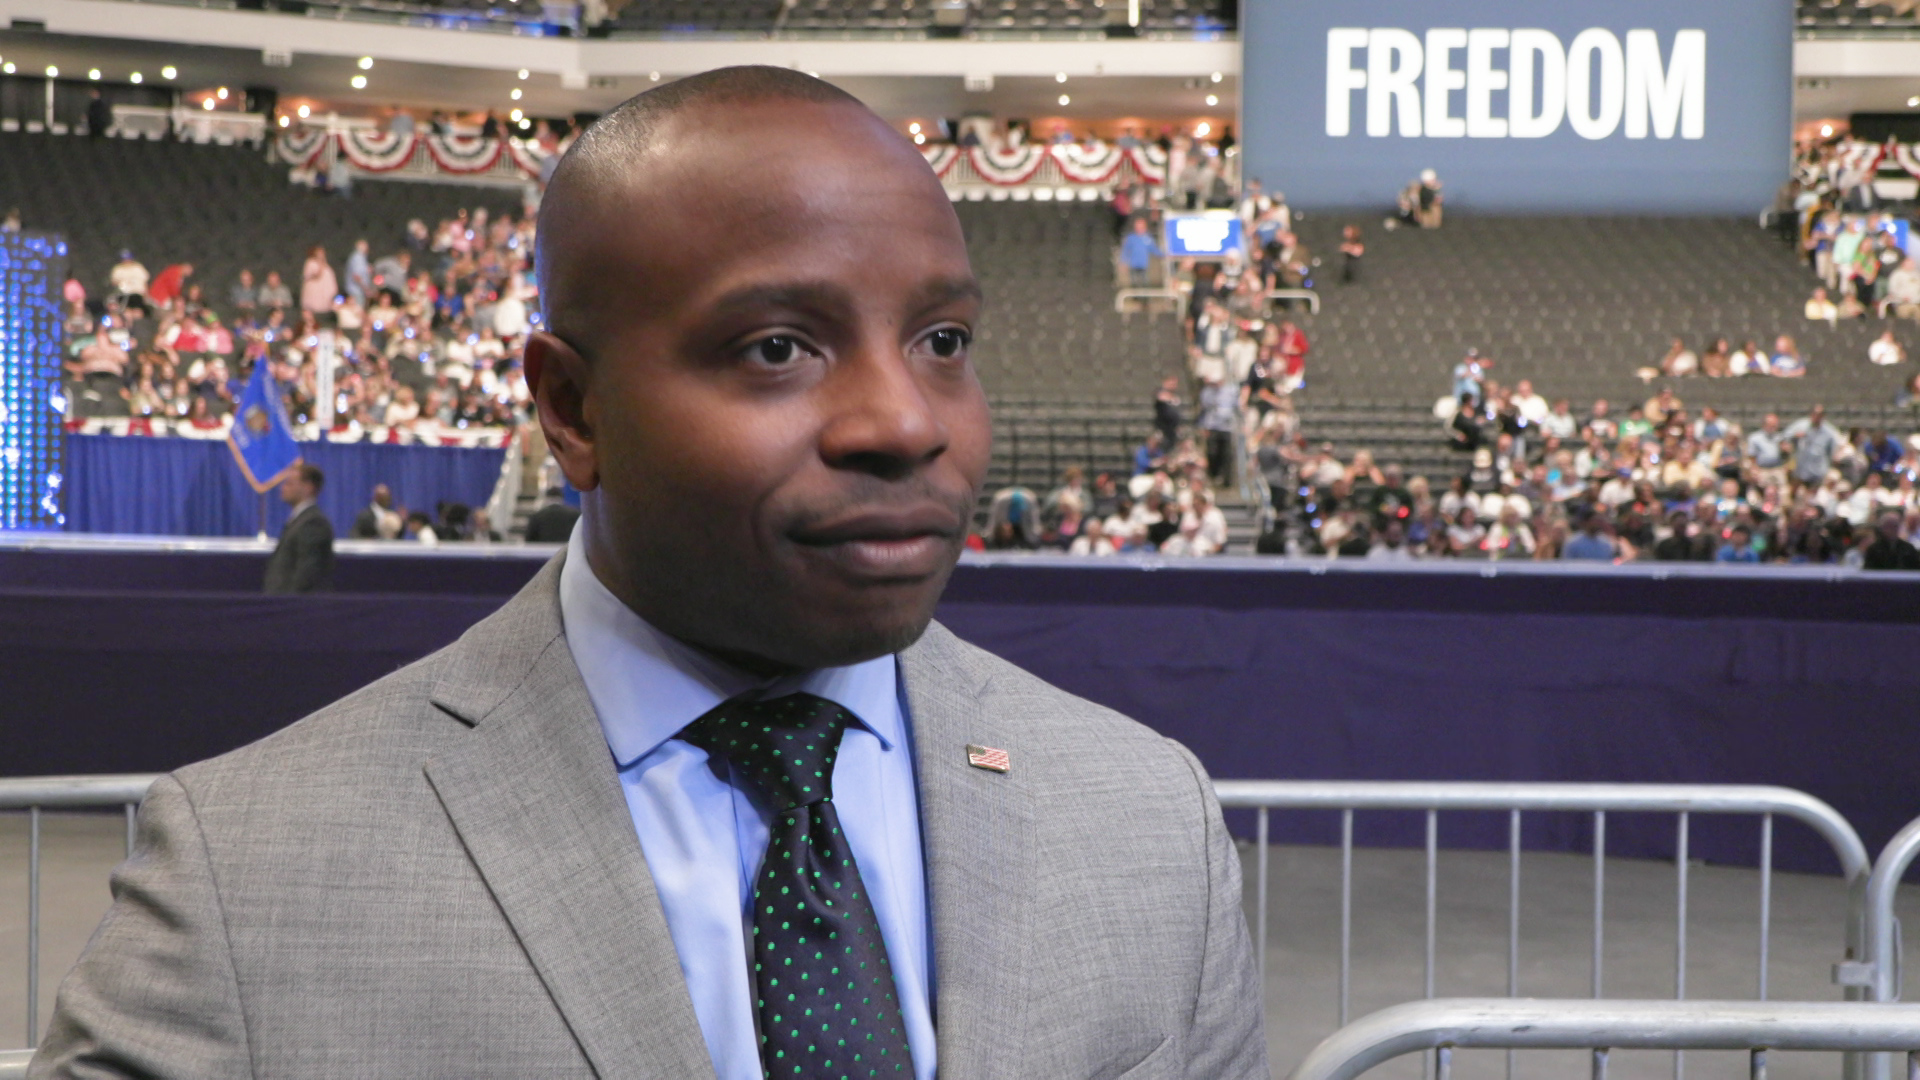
299, 508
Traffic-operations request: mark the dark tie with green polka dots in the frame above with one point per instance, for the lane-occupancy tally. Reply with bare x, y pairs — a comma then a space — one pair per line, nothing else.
825, 993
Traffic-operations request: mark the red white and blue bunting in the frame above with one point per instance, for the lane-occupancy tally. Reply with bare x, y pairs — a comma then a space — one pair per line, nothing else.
1065, 163
463, 154
458, 155
380, 152
302, 147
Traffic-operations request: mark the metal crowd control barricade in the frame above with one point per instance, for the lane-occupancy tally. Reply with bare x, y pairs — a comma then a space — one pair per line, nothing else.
1880, 969
1682, 800
1445, 1025
37, 794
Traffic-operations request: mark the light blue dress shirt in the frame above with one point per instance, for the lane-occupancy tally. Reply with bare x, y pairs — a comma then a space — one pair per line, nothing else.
703, 837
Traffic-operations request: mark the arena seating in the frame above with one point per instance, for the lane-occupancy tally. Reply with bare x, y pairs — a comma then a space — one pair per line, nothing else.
666, 16
1577, 305
219, 208
1050, 331
1856, 14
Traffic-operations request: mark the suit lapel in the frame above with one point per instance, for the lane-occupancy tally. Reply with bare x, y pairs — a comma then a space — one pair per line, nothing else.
979, 836
533, 793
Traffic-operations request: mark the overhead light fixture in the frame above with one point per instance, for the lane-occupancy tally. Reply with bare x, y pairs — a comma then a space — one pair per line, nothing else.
814, 74
52, 72
1216, 76
306, 111
169, 72
94, 74
1913, 103
1213, 99
135, 78
366, 63
1202, 130
913, 128
207, 104
516, 94
1826, 131
1065, 100
515, 115
525, 123
653, 76
359, 82
222, 92
7, 67
284, 121
523, 74
919, 140
1060, 77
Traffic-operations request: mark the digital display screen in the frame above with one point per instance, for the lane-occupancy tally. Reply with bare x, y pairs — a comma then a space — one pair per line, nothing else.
1206, 234
32, 401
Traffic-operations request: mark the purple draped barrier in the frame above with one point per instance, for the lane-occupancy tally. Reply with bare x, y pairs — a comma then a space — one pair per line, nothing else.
1801, 679
191, 487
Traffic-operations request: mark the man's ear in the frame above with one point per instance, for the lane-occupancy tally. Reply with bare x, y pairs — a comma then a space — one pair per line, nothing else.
557, 374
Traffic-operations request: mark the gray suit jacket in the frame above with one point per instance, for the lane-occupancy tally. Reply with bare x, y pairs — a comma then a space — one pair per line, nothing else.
437, 877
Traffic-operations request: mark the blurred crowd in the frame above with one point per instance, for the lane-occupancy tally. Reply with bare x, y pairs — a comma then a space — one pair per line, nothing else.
1661, 482
423, 333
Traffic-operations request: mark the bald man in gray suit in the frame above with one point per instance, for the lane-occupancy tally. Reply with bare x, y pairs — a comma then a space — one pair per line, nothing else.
712, 796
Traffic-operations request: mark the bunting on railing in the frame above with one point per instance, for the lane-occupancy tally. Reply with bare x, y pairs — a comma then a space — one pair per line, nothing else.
377, 152
1065, 163
461, 155
384, 152
301, 148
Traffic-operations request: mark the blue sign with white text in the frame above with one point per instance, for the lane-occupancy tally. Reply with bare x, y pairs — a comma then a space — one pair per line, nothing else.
1595, 106
1206, 234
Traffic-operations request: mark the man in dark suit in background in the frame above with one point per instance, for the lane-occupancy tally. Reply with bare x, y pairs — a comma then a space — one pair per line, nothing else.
552, 523
379, 520
303, 560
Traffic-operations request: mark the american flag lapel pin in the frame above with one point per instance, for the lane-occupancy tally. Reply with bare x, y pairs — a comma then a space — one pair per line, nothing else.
986, 757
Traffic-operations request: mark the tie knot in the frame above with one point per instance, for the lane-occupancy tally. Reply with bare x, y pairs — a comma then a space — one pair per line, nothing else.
785, 746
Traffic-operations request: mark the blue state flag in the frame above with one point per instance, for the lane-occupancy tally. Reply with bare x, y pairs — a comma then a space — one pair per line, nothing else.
261, 439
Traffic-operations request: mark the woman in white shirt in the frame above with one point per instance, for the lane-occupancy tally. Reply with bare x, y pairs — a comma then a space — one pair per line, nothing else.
1885, 351
403, 410
1092, 540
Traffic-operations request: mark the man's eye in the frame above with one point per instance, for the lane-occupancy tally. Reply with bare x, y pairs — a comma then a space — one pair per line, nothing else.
948, 343
776, 350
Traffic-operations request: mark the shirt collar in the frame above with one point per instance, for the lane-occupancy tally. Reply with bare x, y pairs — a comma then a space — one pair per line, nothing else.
646, 686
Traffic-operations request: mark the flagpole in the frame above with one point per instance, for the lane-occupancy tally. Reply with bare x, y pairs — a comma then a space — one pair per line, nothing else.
263, 515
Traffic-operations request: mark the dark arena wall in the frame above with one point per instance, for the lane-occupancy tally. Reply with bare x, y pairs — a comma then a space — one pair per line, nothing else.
131, 659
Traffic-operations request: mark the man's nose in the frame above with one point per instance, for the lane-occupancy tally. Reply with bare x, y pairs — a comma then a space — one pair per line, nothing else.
880, 418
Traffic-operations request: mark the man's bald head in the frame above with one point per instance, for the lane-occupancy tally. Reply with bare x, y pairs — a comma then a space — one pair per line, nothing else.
756, 368
606, 172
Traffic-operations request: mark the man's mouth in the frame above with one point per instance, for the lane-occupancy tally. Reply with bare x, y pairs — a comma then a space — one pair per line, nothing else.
885, 544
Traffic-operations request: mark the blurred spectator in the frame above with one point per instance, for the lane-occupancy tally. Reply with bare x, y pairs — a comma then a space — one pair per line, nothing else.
379, 520
302, 561
1138, 251
1889, 551
1738, 547
359, 273
1592, 543
274, 294
128, 277
1885, 350
318, 284
1352, 250
553, 522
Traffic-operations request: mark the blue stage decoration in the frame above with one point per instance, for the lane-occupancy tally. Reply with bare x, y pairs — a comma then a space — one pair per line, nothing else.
190, 487
32, 404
